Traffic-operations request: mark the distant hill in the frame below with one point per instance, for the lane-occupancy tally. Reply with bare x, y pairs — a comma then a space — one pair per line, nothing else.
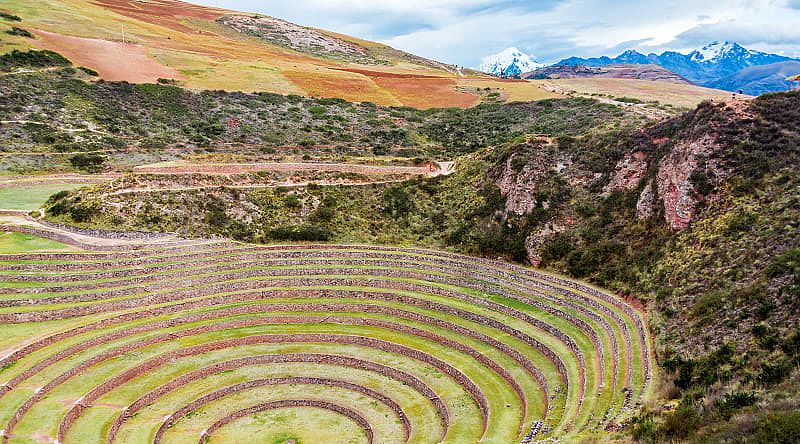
705, 66
633, 72
758, 80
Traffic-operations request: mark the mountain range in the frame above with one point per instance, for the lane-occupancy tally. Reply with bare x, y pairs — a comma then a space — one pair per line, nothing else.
716, 65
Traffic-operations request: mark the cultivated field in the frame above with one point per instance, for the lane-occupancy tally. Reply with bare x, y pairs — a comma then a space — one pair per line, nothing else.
179, 341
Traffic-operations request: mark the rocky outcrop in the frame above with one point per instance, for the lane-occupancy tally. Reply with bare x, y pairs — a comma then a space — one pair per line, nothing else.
526, 170
644, 206
536, 240
675, 190
628, 172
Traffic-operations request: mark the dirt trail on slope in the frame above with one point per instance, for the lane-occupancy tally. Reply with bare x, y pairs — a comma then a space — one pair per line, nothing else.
89, 239
238, 168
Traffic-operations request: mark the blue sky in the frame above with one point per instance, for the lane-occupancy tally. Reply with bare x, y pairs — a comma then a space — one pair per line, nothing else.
464, 31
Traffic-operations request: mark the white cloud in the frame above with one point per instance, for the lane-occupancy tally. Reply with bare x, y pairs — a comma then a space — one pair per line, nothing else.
463, 31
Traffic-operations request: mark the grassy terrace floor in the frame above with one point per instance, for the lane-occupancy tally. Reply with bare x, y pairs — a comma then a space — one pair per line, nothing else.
218, 341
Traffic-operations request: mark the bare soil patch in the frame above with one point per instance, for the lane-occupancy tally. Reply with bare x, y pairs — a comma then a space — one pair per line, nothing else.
115, 61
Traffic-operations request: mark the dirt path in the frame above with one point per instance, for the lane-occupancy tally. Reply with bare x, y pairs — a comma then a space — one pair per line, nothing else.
238, 168
26, 181
25, 224
431, 170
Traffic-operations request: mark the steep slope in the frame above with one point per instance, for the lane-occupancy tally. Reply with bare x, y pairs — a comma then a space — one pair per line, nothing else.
704, 66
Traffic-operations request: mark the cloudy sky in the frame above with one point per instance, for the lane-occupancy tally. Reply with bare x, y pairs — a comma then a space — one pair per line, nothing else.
464, 31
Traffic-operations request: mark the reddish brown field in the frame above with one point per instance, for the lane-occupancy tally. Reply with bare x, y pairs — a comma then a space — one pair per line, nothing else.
427, 92
353, 88
167, 13
113, 60
420, 91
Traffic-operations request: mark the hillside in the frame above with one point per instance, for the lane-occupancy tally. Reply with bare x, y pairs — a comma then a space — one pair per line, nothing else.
696, 217
760, 79
213, 49
633, 72
209, 48
129, 125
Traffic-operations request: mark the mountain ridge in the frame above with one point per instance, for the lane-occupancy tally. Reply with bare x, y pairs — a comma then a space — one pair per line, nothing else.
703, 66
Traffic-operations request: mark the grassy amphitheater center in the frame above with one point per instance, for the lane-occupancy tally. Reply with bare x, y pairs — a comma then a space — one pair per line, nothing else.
212, 341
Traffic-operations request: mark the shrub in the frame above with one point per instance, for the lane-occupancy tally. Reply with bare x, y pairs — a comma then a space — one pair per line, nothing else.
92, 163
702, 184
292, 201
322, 214
300, 233
317, 111
773, 373
397, 201
19, 32
32, 59
12, 17
732, 402
89, 71
557, 247
681, 423
778, 428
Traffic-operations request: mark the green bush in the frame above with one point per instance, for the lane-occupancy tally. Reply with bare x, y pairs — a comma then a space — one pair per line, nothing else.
732, 402
397, 201
292, 201
300, 234
12, 17
681, 423
89, 71
778, 428
19, 32
92, 163
32, 59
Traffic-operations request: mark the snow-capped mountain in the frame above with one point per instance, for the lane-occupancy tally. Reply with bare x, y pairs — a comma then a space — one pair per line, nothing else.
714, 51
705, 66
510, 62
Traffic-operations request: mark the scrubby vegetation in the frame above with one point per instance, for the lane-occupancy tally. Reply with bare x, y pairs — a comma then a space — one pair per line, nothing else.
160, 116
30, 59
19, 32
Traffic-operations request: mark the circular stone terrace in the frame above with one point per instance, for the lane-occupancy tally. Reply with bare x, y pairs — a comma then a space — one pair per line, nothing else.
214, 341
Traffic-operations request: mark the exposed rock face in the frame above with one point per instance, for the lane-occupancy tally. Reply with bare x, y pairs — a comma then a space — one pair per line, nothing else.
535, 241
518, 187
674, 187
629, 172
524, 172
644, 206
294, 36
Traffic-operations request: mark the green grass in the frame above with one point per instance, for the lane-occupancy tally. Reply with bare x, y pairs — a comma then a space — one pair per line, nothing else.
16, 243
31, 198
